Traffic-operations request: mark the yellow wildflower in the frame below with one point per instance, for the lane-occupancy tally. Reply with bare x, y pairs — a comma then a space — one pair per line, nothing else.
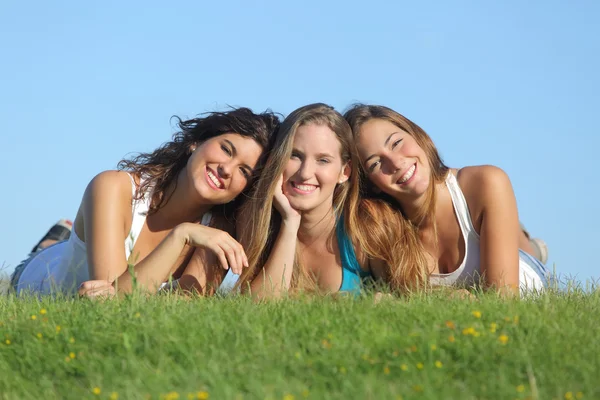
404, 367
450, 324
420, 365
114, 396
7, 341
503, 339
476, 314
329, 336
171, 396
469, 331
438, 364
579, 395
71, 355
202, 395
39, 335
516, 319
418, 388
568, 395
288, 397
451, 339
493, 327
72, 340
96, 391
433, 347
137, 315
58, 328
305, 393
521, 388
34, 317
342, 370
43, 311
386, 371
325, 343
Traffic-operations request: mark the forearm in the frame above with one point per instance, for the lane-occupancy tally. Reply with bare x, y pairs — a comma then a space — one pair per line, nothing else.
152, 271
276, 275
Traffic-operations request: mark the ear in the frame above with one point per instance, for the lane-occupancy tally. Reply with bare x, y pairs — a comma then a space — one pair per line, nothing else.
193, 147
345, 173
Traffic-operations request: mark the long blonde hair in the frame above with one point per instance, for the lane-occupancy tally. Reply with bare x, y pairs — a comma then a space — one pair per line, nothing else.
403, 274
258, 220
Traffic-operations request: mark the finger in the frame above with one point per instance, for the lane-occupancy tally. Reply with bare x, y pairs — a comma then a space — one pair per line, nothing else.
222, 259
231, 257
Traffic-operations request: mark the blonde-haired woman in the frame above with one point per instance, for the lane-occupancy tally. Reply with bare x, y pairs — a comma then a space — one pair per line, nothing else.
465, 220
302, 225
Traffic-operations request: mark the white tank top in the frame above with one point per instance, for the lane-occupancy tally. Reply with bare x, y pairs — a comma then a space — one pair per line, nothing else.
63, 266
468, 273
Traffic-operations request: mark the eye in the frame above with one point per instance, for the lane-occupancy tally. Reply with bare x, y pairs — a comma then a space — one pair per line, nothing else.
323, 161
396, 143
374, 165
295, 155
226, 149
246, 173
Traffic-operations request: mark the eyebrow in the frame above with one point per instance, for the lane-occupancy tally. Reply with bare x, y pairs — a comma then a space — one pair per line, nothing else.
320, 155
234, 153
384, 145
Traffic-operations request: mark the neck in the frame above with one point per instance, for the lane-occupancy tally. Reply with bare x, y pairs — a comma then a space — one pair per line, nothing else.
181, 205
413, 207
316, 223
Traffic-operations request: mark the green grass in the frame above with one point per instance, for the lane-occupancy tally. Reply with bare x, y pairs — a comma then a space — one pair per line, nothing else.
321, 348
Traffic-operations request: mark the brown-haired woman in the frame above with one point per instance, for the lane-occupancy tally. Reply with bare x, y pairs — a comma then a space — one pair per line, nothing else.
464, 220
303, 221
168, 213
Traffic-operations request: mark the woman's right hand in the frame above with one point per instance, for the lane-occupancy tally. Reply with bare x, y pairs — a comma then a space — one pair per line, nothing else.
282, 204
229, 252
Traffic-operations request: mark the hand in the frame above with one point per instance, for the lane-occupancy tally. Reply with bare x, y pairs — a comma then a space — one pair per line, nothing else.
282, 204
230, 253
97, 288
380, 296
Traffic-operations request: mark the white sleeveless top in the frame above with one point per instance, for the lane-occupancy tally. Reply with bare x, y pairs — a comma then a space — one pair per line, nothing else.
63, 267
531, 271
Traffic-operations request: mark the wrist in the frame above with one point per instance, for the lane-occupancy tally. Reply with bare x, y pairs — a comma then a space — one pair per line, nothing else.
291, 223
180, 233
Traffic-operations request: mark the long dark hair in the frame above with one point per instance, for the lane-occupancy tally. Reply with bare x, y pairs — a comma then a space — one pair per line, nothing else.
161, 167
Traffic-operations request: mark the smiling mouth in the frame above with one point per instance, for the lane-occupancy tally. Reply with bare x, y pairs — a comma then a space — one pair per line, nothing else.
213, 181
304, 188
407, 176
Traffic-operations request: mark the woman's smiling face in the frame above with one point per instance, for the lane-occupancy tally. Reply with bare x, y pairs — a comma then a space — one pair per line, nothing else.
393, 160
314, 169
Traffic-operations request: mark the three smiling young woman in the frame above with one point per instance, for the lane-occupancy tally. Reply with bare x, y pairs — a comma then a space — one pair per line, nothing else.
340, 199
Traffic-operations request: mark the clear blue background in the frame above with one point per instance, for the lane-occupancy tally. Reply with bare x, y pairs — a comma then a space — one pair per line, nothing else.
510, 83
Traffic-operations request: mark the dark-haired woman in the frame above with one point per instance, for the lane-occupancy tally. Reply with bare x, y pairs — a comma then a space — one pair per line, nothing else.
163, 216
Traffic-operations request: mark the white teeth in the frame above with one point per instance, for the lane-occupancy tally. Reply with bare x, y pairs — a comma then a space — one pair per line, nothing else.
305, 188
408, 174
214, 179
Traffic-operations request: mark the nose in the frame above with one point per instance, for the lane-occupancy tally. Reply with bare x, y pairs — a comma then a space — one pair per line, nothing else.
306, 171
392, 163
225, 169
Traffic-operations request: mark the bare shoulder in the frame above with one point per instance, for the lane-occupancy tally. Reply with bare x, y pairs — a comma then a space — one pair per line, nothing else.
483, 180
110, 185
483, 186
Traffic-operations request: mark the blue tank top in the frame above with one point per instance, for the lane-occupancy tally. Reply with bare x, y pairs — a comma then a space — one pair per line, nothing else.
352, 273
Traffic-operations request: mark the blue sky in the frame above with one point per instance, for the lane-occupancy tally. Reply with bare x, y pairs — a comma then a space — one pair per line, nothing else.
509, 83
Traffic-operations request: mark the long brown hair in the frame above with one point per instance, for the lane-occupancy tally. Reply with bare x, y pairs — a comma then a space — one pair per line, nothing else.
161, 167
260, 221
401, 271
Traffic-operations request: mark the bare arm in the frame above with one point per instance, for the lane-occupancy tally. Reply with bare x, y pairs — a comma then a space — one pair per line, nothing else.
151, 272
499, 231
276, 275
106, 211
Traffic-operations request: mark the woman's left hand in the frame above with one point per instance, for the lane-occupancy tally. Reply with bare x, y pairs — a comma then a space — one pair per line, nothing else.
97, 288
